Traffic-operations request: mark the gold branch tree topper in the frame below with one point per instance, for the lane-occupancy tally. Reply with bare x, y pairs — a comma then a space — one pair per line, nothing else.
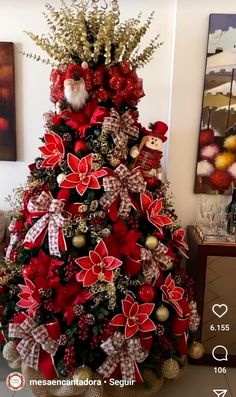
87, 31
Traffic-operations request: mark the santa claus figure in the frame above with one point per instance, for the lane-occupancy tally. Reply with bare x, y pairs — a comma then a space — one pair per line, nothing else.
75, 91
149, 153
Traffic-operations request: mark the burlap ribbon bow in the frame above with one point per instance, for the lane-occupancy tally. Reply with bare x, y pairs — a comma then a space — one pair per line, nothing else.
120, 127
126, 353
121, 184
52, 215
33, 339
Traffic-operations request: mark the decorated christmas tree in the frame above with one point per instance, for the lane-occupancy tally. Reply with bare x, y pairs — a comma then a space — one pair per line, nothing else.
92, 286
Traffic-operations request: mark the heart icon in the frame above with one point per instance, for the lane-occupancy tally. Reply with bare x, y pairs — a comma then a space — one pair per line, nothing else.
220, 310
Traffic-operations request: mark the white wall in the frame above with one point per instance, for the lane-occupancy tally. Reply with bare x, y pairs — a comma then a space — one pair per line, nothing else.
183, 26
32, 78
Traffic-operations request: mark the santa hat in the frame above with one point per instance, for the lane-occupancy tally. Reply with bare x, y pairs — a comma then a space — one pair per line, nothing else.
159, 130
74, 72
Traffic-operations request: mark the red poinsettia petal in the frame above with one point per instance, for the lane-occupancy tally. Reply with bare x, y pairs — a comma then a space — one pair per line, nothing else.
46, 163
134, 309
94, 184
90, 278
130, 299
95, 257
73, 162
53, 160
145, 201
50, 138
101, 249
130, 330
29, 284
156, 206
108, 276
118, 321
146, 308
80, 276
100, 173
141, 318
81, 188
47, 150
84, 262
70, 181
126, 306
165, 220
111, 262
85, 164
147, 326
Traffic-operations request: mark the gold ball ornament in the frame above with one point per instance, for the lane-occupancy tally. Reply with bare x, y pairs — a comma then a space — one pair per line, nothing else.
196, 350
170, 369
83, 373
60, 177
224, 160
162, 314
79, 241
151, 242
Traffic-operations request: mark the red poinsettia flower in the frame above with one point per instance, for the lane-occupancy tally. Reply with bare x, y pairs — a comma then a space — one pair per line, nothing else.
135, 317
172, 294
53, 150
29, 297
178, 241
153, 210
98, 266
82, 177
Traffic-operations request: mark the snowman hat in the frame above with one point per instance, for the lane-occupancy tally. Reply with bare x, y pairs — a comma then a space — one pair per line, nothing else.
158, 130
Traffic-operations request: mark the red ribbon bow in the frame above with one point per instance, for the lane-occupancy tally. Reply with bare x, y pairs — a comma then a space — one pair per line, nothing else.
52, 219
120, 127
121, 184
152, 260
126, 353
38, 343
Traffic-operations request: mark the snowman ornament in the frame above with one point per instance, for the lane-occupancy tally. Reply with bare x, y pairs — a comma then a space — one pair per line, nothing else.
149, 153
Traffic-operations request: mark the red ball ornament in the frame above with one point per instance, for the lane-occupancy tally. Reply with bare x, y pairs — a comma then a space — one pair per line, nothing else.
80, 146
151, 181
28, 272
146, 293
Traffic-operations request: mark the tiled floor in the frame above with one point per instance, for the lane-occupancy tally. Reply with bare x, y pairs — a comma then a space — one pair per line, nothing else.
197, 381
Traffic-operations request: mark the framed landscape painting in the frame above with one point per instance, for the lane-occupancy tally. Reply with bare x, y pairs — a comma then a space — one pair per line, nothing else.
216, 159
7, 103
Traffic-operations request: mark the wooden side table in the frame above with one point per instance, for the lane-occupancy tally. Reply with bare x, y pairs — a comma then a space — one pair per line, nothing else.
213, 268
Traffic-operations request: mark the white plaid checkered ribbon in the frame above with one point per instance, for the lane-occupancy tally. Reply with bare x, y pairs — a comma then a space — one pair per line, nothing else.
120, 127
152, 261
33, 339
126, 353
52, 216
123, 182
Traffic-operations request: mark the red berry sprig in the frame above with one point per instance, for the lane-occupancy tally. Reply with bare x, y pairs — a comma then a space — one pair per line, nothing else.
69, 359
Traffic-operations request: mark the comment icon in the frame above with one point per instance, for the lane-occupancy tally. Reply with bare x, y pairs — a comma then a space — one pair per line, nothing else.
220, 353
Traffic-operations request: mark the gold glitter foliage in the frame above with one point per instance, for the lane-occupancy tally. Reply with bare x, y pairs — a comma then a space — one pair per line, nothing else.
88, 31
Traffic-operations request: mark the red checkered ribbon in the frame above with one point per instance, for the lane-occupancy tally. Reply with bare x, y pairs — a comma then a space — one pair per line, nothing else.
126, 353
33, 339
121, 184
53, 217
152, 260
121, 127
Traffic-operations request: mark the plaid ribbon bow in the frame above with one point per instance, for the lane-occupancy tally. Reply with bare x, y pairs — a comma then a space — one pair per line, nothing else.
53, 216
33, 339
120, 127
126, 353
152, 261
121, 184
